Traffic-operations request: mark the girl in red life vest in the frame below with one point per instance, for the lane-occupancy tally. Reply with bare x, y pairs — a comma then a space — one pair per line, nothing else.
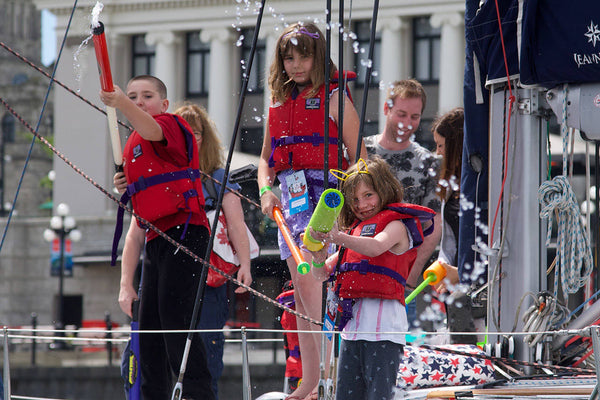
377, 254
293, 151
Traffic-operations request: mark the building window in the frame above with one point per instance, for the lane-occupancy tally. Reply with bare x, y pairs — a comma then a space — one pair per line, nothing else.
360, 47
426, 50
256, 80
143, 56
198, 65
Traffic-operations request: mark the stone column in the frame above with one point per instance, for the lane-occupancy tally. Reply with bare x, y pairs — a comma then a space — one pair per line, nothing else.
220, 98
452, 57
270, 35
166, 61
395, 56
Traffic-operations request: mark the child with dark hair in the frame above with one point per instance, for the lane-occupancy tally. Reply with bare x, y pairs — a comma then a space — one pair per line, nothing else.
156, 160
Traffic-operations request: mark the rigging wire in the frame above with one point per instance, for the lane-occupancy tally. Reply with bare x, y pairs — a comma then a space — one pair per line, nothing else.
511, 101
327, 85
53, 79
94, 106
497, 270
45, 102
341, 88
146, 222
198, 302
363, 111
110, 196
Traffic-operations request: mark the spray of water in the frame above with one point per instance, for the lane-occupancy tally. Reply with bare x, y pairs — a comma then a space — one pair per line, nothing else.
96, 14
78, 63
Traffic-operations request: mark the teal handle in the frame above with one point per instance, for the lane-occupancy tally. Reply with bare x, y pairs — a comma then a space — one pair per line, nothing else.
430, 278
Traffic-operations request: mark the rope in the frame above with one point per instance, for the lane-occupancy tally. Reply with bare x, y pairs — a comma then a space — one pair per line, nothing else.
110, 196
572, 245
53, 79
94, 106
149, 224
573, 251
544, 313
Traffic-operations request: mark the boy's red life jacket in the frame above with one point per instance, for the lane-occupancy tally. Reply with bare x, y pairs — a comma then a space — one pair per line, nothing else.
293, 364
158, 188
383, 276
297, 129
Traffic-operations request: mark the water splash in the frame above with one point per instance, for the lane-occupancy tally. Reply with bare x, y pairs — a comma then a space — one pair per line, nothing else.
96, 14
366, 63
79, 65
240, 41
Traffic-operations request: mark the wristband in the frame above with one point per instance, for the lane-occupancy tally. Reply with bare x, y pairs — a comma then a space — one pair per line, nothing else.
264, 190
318, 265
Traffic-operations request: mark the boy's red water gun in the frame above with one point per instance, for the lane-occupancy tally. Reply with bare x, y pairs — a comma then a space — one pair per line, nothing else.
106, 82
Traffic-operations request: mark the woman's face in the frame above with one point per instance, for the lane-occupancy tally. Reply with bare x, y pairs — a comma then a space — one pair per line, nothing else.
440, 144
198, 137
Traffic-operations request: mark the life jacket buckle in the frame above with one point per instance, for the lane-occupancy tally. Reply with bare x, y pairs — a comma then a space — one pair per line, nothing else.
140, 184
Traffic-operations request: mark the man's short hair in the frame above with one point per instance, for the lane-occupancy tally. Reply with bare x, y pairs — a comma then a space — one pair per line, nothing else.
407, 89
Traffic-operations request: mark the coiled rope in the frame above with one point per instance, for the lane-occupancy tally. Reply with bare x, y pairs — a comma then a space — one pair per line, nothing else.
573, 253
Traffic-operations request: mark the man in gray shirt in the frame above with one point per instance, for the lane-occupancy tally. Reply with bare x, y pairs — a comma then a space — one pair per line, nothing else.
415, 166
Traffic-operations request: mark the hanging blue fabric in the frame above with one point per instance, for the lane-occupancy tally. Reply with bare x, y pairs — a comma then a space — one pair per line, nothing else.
560, 42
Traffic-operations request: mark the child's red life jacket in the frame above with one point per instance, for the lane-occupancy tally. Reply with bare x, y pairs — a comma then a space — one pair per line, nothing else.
383, 276
159, 188
297, 129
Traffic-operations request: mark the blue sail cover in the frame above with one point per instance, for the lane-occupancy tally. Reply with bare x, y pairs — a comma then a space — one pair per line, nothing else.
483, 38
484, 62
560, 42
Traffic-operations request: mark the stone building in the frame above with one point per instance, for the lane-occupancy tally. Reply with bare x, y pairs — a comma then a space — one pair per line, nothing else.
23, 89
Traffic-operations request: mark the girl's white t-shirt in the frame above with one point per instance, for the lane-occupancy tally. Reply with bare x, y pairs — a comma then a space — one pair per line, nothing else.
383, 317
